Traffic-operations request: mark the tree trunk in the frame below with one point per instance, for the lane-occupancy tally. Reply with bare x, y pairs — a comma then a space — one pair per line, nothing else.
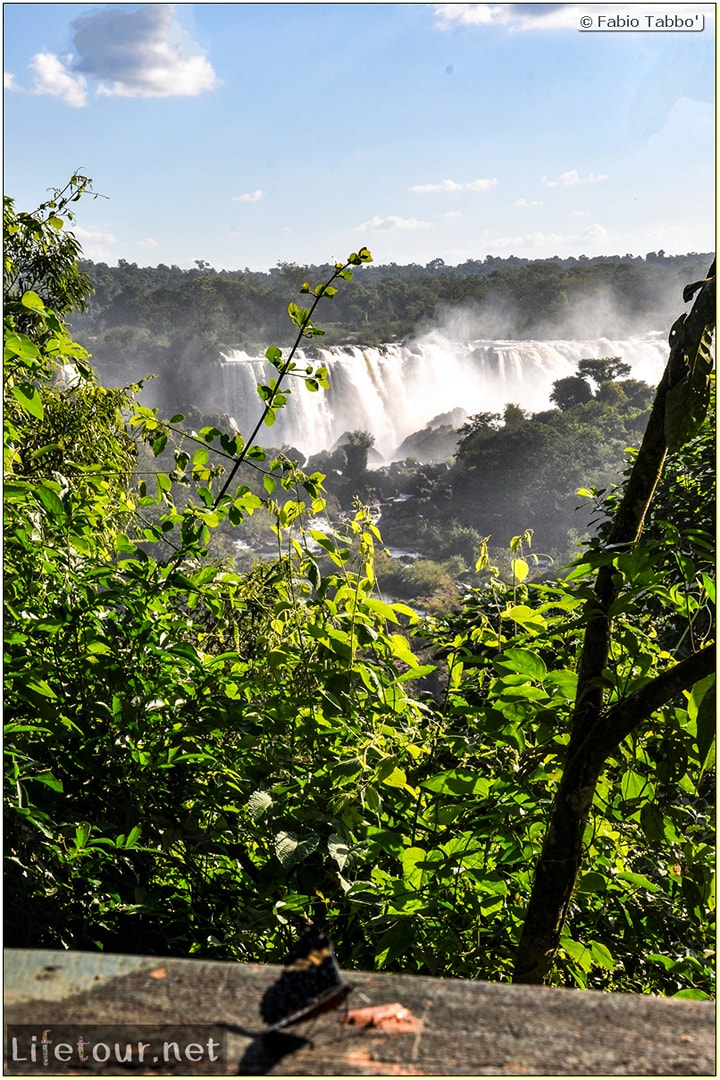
596, 733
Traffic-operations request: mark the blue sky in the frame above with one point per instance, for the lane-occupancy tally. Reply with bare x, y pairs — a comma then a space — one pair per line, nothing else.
251, 134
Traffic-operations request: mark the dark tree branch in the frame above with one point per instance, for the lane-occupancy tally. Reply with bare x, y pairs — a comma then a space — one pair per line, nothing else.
629, 714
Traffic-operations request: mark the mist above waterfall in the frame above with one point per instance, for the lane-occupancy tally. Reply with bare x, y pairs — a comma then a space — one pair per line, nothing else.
473, 337
397, 389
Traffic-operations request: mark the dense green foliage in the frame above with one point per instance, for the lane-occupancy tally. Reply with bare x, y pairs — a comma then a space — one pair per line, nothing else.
195, 755
526, 472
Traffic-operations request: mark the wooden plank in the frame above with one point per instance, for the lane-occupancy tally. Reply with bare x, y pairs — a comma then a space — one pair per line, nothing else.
463, 1027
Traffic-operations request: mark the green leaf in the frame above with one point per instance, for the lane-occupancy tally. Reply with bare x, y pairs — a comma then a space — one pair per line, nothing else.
459, 781
686, 403
290, 851
258, 804
389, 773
578, 952
565, 682
652, 821
159, 443
338, 850
49, 780
602, 955
702, 707
21, 345
29, 399
632, 785
82, 835
523, 662
657, 958
709, 586
638, 879
525, 616
299, 316
30, 299
592, 882
402, 651
412, 873
387, 611
50, 501
520, 569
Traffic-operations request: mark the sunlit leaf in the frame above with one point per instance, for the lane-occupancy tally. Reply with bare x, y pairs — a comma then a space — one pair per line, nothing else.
29, 398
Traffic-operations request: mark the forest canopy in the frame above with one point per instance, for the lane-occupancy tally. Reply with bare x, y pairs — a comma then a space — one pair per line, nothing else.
514, 297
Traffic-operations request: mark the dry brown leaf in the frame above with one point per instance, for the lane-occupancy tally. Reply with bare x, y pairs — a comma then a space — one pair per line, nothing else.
391, 1017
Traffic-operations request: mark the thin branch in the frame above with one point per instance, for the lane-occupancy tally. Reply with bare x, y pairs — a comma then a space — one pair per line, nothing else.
629, 714
283, 371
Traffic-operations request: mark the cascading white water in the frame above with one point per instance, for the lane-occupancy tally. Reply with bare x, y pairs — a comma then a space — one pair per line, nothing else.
394, 390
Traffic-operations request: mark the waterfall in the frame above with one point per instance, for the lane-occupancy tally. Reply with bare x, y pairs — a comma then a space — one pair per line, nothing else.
397, 389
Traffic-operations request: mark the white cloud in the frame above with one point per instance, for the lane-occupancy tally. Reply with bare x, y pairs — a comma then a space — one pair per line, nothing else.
573, 178
9, 81
147, 242
53, 76
250, 196
512, 16
480, 185
590, 237
96, 244
530, 17
140, 53
382, 224
451, 185
529, 240
135, 54
427, 189
450, 215
96, 235
527, 204
594, 233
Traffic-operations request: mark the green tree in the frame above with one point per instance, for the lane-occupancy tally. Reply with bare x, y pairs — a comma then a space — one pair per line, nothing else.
41, 256
570, 391
600, 724
356, 446
606, 369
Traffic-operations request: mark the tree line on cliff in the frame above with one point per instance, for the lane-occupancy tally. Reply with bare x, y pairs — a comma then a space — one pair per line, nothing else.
166, 311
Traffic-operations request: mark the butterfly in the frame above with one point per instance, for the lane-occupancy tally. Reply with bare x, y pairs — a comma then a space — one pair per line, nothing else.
310, 984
